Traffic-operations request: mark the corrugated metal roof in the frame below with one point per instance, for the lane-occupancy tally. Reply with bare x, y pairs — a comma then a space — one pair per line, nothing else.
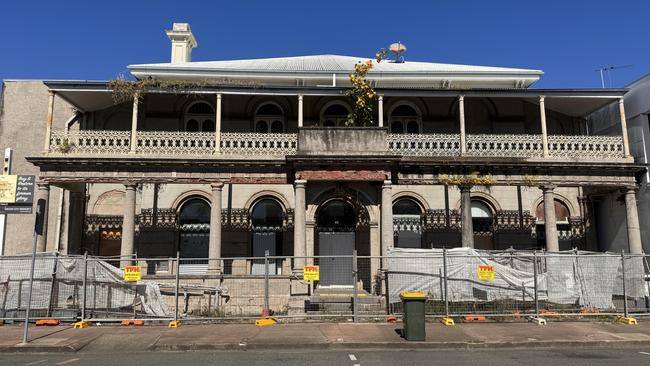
332, 64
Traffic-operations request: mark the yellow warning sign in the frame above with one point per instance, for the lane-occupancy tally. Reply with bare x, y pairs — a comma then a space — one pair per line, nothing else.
311, 273
132, 274
486, 273
8, 188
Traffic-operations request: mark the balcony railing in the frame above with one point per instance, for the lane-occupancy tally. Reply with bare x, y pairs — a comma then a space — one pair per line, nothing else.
278, 145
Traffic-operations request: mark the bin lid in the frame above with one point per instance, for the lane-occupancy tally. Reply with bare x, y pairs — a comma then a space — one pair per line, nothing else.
412, 295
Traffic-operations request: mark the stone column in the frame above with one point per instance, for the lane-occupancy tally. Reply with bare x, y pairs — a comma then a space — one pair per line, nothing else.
128, 224
632, 216
299, 221
550, 225
134, 123
542, 117
214, 249
50, 117
386, 226
461, 113
300, 115
375, 252
380, 111
217, 127
43, 193
626, 143
467, 227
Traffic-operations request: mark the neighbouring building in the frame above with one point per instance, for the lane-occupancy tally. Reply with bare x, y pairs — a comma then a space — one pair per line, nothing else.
235, 158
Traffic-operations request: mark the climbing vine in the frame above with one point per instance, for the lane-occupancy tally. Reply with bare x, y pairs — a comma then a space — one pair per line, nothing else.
472, 179
362, 94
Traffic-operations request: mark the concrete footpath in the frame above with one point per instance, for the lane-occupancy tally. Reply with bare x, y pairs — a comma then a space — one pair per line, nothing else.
109, 338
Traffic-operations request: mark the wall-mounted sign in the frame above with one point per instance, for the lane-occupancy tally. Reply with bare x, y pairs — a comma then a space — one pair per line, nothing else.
311, 273
16, 194
8, 188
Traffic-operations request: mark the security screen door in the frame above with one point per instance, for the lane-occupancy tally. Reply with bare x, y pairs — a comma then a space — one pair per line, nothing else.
336, 271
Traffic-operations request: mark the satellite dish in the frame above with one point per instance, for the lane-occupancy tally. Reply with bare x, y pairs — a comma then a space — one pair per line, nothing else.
398, 49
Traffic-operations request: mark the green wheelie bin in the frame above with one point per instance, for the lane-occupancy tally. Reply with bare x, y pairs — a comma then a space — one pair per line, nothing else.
413, 303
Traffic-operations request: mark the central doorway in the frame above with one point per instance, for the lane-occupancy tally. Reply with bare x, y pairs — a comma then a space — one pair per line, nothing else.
336, 237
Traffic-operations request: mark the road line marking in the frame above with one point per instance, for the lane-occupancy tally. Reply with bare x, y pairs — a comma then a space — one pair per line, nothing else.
352, 357
645, 353
36, 362
68, 361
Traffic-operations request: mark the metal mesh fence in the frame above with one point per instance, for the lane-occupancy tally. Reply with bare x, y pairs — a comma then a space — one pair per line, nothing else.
457, 282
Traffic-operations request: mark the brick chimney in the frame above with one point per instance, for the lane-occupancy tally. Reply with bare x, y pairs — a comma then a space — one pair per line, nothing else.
182, 42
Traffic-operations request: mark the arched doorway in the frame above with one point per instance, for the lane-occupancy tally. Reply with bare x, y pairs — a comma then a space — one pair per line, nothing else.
562, 215
194, 235
336, 224
267, 219
407, 223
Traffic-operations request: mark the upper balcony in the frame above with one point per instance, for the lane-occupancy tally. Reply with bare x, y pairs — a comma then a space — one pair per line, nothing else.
523, 125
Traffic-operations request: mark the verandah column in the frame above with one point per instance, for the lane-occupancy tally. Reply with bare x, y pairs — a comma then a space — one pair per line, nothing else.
43, 193
299, 221
626, 143
217, 127
542, 118
300, 110
380, 111
386, 217
214, 246
134, 123
550, 222
50, 117
467, 226
128, 224
461, 114
632, 218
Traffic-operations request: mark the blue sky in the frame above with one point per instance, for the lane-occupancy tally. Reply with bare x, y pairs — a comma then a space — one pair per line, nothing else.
567, 39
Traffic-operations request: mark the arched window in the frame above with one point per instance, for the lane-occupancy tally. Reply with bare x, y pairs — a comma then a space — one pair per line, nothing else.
562, 216
334, 115
337, 215
483, 225
561, 212
405, 119
199, 117
269, 118
407, 224
267, 219
194, 233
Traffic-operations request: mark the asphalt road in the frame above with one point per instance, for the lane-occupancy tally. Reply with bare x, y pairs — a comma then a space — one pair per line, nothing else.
501, 357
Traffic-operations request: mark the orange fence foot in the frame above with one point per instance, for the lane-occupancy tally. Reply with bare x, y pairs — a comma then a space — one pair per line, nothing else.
42, 322
132, 322
475, 318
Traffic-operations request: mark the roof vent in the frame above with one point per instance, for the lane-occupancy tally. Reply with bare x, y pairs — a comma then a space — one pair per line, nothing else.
183, 42
398, 49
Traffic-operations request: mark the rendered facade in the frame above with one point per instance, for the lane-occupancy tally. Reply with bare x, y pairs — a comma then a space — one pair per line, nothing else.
253, 156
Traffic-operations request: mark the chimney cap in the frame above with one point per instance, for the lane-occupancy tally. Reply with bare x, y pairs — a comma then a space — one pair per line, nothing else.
182, 32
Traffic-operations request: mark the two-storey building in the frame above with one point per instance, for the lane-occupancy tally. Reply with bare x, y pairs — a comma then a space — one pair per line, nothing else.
229, 159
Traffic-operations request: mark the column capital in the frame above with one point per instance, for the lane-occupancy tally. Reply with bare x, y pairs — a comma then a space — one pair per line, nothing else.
51, 93
216, 186
387, 184
130, 185
300, 96
542, 98
218, 95
547, 187
43, 185
465, 187
621, 100
300, 183
631, 189
380, 97
461, 98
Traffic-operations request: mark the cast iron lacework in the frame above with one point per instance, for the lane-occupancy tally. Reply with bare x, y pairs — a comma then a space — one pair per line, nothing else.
259, 143
175, 143
574, 146
504, 145
90, 142
424, 144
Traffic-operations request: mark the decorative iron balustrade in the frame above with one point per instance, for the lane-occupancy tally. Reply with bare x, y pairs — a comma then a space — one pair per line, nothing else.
280, 144
175, 143
163, 218
504, 145
578, 146
510, 220
439, 220
424, 144
90, 142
